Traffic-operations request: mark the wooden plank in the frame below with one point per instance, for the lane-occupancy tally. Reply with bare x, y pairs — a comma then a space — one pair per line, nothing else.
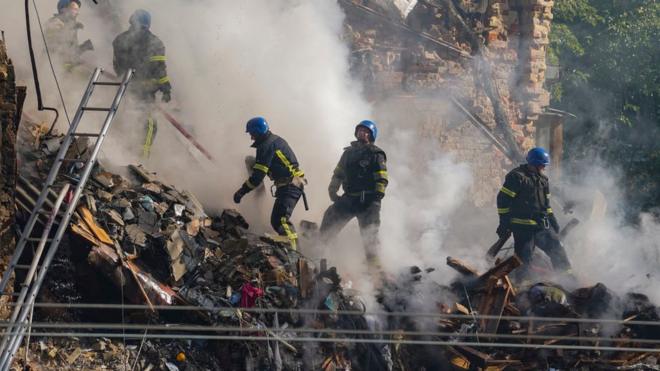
143, 173
306, 278
513, 292
498, 271
512, 310
475, 357
486, 301
462, 309
461, 267
83, 231
106, 260
497, 309
99, 232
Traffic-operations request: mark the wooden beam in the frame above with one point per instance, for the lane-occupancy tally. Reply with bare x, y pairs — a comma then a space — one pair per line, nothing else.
461, 267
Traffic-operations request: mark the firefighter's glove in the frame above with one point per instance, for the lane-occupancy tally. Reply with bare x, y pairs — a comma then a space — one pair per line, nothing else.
167, 96
239, 195
503, 230
85, 46
78, 26
379, 196
553, 223
334, 197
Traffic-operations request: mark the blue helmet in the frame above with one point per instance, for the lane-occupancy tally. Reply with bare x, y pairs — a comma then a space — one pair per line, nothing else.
538, 157
140, 18
256, 126
61, 4
369, 125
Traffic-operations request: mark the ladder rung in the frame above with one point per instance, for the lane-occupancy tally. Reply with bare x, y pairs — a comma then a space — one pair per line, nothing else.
46, 212
107, 83
35, 239
86, 134
102, 109
73, 160
24, 266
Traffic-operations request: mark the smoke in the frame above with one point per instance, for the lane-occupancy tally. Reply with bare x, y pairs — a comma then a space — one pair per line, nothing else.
228, 61
606, 247
231, 60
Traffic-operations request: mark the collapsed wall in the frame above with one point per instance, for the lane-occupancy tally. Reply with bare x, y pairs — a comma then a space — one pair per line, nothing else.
488, 55
11, 104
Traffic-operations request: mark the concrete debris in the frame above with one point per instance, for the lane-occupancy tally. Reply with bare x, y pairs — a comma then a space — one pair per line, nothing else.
158, 246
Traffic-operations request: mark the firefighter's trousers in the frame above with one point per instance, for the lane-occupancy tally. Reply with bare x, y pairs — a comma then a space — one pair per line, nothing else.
547, 240
367, 213
286, 198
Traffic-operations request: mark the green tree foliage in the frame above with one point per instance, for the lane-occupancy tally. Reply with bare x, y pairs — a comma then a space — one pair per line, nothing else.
609, 55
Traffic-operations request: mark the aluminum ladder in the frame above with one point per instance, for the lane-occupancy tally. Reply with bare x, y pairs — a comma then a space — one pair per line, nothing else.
18, 324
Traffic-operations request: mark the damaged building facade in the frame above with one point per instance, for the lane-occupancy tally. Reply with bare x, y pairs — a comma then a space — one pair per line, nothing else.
212, 295
447, 67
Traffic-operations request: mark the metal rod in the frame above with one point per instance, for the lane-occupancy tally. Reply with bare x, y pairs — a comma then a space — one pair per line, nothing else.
476, 121
140, 335
339, 312
97, 109
107, 83
180, 328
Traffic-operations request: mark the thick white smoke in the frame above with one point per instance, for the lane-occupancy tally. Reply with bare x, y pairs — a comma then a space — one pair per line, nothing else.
228, 61
605, 247
284, 59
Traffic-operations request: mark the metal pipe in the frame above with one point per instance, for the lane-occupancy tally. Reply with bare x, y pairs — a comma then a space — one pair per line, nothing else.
178, 328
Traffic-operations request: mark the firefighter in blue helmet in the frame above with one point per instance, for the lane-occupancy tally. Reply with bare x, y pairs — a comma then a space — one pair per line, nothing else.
362, 173
523, 205
276, 159
61, 33
138, 48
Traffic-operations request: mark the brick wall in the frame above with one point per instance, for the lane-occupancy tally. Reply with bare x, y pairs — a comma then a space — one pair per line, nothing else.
431, 61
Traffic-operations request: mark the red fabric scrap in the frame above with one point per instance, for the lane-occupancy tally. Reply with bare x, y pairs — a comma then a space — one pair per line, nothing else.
249, 295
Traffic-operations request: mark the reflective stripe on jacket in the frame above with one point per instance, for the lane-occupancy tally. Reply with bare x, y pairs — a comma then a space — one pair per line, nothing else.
524, 199
274, 158
361, 168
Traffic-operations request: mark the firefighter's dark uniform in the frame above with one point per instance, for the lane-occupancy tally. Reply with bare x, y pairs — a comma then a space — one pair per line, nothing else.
362, 173
145, 53
276, 159
523, 205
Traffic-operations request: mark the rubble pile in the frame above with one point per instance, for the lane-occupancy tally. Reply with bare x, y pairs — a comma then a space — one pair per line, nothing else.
263, 305
159, 247
113, 354
548, 322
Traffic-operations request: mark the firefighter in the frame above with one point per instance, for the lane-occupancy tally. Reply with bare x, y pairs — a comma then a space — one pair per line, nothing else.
276, 159
362, 173
61, 32
143, 51
523, 205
